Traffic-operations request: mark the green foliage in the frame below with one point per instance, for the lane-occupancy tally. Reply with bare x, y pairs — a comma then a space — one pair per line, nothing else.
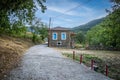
34, 38
18, 29
39, 28
17, 13
39, 34
43, 31
107, 32
86, 58
80, 37
87, 26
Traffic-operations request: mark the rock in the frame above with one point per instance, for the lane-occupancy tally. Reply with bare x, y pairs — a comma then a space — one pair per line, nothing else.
5, 76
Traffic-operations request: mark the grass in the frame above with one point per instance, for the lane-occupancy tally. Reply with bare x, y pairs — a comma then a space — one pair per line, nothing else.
114, 69
11, 50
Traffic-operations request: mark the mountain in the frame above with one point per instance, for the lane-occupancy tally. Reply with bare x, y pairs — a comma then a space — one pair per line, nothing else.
87, 26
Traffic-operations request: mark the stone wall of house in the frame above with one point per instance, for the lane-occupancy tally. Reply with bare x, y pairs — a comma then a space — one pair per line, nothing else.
63, 43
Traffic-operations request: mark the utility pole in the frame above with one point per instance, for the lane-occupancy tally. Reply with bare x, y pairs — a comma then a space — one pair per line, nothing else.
49, 32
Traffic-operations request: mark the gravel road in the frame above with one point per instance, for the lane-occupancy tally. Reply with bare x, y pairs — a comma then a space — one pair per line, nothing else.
44, 63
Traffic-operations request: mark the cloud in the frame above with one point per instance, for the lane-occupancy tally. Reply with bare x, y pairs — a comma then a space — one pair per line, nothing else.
62, 7
80, 15
82, 10
61, 10
68, 20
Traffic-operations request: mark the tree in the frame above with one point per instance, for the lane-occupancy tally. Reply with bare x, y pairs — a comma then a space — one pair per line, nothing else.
20, 10
43, 31
106, 32
39, 28
116, 4
80, 38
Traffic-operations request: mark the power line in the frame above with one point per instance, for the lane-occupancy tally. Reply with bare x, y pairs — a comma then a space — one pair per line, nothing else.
71, 9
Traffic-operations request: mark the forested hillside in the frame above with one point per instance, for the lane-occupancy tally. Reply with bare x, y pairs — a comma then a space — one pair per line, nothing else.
107, 33
103, 33
87, 26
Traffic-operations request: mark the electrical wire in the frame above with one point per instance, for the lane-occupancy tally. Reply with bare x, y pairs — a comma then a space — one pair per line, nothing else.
71, 9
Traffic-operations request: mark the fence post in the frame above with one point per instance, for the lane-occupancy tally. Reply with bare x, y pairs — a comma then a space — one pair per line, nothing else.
73, 55
80, 58
92, 63
106, 70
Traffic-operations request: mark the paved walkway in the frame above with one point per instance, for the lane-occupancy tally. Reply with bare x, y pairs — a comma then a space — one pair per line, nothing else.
43, 63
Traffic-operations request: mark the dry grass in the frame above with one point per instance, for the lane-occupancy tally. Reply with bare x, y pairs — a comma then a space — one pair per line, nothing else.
99, 53
111, 58
11, 49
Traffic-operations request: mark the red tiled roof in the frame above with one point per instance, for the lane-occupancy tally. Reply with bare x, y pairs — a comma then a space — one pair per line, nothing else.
60, 28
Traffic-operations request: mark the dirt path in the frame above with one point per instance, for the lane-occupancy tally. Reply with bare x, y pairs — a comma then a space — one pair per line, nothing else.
43, 63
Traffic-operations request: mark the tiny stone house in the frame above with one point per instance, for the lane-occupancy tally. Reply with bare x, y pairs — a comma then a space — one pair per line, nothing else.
60, 37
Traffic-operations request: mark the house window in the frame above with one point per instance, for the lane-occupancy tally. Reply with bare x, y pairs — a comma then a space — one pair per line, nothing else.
54, 36
63, 36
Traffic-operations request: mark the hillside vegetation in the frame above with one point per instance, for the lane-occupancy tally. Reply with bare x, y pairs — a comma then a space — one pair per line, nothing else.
11, 50
106, 34
14, 36
103, 33
87, 26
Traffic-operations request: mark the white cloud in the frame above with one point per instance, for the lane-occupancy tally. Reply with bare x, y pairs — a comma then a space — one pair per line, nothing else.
79, 15
61, 10
80, 11
68, 20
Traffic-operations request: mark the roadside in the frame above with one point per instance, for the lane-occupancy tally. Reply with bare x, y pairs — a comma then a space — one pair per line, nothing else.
11, 50
101, 59
43, 63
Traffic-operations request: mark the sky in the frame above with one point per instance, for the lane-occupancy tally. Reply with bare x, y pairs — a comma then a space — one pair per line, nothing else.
72, 13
